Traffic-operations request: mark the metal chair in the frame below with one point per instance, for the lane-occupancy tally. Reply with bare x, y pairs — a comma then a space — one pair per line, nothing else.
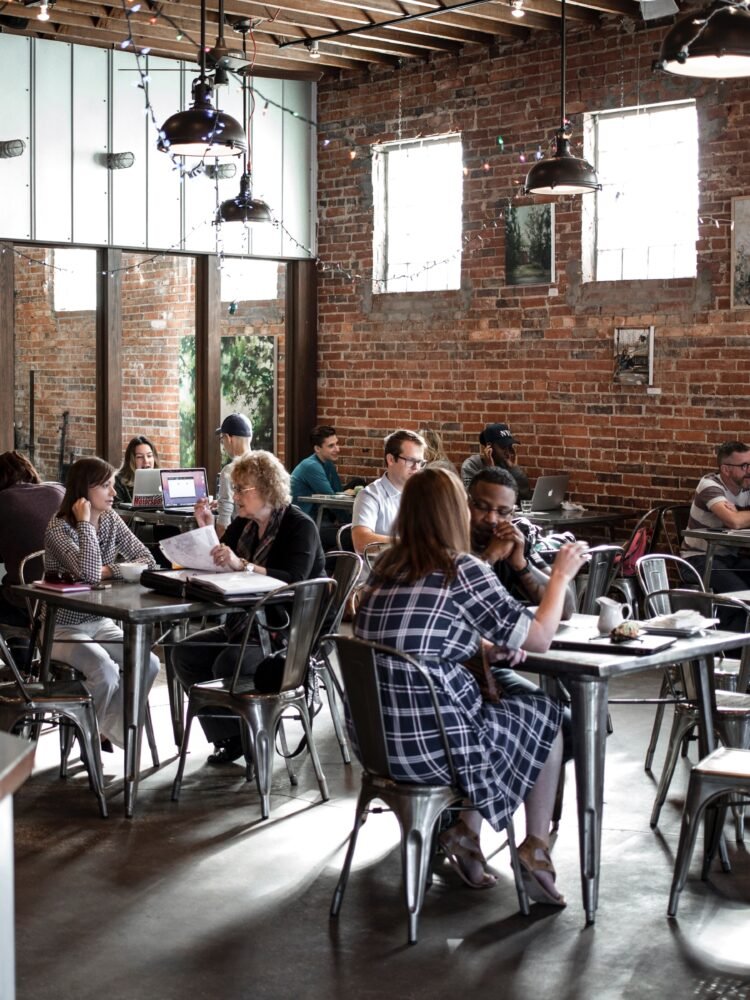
371, 552
261, 712
725, 771
731, 709
65, 700
674, 519
341, 535
644, 539
601, 572
417, 807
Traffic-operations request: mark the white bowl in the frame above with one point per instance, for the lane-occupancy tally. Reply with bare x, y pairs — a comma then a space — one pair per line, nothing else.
131, 572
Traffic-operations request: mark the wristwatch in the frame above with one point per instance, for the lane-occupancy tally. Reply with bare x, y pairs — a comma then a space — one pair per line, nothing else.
247, 567
522, 572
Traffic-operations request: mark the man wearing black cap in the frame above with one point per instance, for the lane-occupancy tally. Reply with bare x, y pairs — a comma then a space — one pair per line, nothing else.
497, 448
236, 439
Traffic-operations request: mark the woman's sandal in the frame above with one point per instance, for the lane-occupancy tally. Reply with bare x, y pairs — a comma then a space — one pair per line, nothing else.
461, 845
533, 855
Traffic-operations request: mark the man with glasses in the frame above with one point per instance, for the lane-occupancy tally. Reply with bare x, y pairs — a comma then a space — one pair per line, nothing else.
376, 506
721, 501
236, 439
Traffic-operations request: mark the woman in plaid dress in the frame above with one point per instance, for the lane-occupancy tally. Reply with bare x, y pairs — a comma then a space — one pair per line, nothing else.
430, 598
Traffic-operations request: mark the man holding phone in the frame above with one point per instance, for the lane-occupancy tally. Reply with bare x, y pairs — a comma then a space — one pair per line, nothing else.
497, 448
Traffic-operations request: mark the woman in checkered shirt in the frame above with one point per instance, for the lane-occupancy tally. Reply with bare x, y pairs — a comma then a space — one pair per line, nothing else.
431, 598
84, 539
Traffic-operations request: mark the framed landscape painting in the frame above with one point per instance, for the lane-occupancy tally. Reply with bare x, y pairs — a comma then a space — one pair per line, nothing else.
740, 280
530, 244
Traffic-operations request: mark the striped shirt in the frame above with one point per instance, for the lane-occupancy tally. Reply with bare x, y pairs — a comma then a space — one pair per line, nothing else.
83, 550
710, 491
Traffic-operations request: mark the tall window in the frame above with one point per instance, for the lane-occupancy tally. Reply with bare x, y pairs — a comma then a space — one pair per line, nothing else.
418, 196
644, 221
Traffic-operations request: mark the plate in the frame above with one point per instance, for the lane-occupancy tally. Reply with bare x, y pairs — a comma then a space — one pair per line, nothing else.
680, 631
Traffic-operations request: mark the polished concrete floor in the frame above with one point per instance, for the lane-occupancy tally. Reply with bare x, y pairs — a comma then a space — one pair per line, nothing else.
201, 899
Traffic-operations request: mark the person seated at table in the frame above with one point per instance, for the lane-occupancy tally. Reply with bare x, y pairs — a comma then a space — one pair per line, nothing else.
318, 474
721, 501
435, 453
376, 506
269, 535
139, 454
496, 540
26, 505
429, 597
83, 541
236, 439
497, 447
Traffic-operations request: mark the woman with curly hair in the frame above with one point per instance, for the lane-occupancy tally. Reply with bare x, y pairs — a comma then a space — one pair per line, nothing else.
269, 535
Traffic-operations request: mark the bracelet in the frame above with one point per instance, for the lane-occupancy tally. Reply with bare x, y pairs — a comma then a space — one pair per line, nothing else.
247, 567
524, 571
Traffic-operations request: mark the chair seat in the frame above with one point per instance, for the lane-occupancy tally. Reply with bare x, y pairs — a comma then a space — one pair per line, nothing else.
732, 702
388, 784
726, 762
218, 691
67, 691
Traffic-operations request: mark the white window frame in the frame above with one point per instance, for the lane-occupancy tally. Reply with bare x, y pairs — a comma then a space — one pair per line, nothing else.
425, 273
649, 267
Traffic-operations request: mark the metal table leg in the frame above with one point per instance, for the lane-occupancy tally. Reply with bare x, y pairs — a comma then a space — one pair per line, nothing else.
588, 697
137, 650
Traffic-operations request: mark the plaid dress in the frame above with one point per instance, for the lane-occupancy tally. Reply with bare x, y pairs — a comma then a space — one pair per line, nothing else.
497, 749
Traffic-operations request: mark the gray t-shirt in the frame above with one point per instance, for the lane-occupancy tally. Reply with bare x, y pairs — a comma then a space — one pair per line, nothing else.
710, 491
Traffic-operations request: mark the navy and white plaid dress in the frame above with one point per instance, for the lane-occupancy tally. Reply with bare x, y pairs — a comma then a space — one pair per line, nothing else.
498, 749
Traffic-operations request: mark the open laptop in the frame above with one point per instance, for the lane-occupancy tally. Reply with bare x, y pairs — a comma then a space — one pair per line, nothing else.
182, 488
549, 493
146, 490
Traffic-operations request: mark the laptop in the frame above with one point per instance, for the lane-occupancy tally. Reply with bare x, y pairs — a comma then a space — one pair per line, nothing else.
549, 493
146, 490
182, 488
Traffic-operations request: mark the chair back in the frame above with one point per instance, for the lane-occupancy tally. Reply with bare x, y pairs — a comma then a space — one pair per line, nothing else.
361, 664
603, 568
371, 552
344, 569
19, 683
674, 519
653, 573
644, 539
344, 530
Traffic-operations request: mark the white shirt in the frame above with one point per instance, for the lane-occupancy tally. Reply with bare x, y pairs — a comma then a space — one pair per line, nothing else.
376, 507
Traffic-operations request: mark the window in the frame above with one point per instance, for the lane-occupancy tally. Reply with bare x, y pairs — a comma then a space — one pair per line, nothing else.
74, 280
644, 221
418, 194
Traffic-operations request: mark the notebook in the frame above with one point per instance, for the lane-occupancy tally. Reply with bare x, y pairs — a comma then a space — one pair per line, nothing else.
549, 493
182, 489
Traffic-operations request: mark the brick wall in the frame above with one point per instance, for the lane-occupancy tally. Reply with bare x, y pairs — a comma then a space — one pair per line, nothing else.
540, 357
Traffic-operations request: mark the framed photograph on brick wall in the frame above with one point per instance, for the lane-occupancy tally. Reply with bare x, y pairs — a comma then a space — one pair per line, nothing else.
740, 253
634, 355
530, 244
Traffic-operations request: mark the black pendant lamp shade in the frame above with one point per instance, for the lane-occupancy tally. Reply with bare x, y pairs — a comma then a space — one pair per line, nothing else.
202, 131
561, 173
244, 208
713, 43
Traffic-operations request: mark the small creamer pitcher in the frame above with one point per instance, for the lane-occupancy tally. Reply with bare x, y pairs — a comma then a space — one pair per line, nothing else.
611, 614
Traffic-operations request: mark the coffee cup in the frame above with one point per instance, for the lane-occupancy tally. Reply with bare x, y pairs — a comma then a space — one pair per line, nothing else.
131, 572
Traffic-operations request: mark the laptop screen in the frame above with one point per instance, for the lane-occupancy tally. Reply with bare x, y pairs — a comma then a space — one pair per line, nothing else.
183, 487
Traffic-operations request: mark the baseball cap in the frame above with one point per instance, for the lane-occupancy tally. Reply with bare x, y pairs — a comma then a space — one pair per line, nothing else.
497, 433
237, 425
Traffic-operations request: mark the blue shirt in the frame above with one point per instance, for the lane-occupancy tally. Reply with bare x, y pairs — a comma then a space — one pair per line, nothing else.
313, 476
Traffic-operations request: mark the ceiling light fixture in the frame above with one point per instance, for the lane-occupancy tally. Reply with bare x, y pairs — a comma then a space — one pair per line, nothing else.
202, 131
713, 43
244, 208
43, 14
516, 8
312, 48
562, 173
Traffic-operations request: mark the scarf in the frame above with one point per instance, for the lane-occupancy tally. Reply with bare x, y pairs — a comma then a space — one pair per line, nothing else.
256, 549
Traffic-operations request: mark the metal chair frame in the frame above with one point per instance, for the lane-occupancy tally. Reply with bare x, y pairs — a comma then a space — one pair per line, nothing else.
601, 572
417, 807
261, 712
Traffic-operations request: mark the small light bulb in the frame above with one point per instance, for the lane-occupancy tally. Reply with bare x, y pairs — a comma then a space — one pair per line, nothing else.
43, 14
517, 8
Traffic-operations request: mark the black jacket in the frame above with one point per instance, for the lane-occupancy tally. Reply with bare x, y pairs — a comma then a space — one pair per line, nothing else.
296, 553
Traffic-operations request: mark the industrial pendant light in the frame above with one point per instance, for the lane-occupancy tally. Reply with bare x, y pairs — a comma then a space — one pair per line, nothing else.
244, 208
713, 43
561, 173
202, 131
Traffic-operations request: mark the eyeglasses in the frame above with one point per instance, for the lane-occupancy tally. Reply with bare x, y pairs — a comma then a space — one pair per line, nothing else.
484, 508
745, 466
413, 463
237, 490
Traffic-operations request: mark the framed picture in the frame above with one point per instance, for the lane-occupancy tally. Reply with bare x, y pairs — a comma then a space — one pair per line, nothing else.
740, 253
530, 244
634, 355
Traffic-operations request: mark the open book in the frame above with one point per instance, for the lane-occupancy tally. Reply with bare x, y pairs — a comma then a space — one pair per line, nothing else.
228, 584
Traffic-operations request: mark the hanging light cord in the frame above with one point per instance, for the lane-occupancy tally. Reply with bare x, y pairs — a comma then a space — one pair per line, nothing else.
563, 121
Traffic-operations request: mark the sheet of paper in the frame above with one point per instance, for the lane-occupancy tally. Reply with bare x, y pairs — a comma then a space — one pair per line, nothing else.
192, 549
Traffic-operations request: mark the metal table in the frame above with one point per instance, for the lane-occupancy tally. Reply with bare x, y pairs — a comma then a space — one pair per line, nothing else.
185, 522
586, 675
137, 609
325, 502
713, 540
571, 519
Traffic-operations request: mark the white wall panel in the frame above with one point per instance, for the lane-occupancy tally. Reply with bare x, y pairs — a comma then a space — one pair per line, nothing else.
233, 237
90, 125
164, 185
53, 166
15, 123
128, 135
296, 168
267, 152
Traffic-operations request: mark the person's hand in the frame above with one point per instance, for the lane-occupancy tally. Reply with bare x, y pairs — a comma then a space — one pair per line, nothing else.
202, 514
486, 454
507, 543
506, 655
569, 560
349, 493
81, 509
223, 556
510, 457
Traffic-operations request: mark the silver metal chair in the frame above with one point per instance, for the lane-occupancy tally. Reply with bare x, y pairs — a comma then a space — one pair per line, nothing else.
674, 519
344, 530
726, 771
417, 807
601, 572
261, 712
57, 700
371, 552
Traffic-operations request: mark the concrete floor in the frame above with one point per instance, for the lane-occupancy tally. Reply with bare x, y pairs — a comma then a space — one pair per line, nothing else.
201, 899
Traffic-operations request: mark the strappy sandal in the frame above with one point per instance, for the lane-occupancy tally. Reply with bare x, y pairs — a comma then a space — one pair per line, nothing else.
460, 845
533, 855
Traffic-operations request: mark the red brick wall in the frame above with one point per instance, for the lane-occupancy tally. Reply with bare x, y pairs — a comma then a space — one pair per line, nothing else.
540, 357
